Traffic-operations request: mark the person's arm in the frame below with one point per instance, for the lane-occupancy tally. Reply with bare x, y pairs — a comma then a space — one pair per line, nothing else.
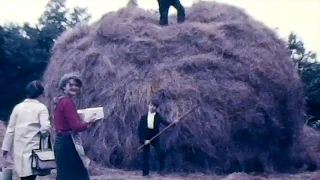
141, 131
9, 136
73, 118
44, 120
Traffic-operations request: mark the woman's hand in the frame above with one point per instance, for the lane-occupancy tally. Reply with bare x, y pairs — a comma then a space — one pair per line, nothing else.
90, 123
92, 118
5, 154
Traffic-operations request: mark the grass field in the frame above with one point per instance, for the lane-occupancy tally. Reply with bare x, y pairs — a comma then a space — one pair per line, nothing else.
114, 174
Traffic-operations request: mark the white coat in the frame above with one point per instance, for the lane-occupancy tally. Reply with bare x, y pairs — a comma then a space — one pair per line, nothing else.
27, 119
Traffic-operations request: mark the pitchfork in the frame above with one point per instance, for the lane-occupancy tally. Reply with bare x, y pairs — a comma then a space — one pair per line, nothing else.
171, 124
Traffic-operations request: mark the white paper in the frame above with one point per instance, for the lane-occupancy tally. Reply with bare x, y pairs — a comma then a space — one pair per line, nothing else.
89, 113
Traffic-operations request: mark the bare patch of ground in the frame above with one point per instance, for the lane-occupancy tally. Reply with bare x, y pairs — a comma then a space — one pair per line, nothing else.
113, 174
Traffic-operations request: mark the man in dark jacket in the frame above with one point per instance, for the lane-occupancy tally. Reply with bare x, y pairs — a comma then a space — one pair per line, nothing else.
149, 126
164, 6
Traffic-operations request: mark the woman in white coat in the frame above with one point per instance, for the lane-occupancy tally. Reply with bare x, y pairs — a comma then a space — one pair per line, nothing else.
29, 119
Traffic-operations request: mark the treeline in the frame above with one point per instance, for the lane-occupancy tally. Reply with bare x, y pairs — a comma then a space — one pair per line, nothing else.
25, 52
309, 71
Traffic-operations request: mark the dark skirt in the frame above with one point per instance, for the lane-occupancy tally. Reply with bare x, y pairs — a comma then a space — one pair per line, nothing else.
69, 164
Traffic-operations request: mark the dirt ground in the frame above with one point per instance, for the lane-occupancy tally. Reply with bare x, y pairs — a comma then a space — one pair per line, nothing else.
114, 174
111, 174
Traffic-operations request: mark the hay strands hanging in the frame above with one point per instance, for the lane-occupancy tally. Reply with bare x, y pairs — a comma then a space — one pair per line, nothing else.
171, 124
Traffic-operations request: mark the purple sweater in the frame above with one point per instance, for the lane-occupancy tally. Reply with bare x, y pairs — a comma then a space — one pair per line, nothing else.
66, 118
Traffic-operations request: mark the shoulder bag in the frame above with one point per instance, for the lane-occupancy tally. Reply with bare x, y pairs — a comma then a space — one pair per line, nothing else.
43, 160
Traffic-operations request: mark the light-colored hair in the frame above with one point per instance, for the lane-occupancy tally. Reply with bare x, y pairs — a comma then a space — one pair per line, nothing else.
66, 78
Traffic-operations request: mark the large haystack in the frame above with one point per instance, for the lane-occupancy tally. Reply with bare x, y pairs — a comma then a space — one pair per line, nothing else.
251, 98
308, 149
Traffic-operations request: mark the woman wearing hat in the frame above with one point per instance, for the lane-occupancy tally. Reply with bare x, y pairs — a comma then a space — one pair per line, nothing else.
67, 123
29, 121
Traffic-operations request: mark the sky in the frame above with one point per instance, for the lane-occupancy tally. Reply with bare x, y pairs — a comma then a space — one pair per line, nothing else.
300, 16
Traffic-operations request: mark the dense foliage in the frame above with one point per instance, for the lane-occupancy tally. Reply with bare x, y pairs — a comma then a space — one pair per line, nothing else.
25, 50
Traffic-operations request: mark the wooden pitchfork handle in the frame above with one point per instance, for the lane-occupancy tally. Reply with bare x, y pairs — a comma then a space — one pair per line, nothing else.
171, 124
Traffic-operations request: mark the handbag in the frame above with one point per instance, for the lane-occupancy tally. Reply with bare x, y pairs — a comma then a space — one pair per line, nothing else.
43, 160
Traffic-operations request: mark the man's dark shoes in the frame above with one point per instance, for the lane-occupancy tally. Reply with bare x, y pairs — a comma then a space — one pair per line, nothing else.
180, 21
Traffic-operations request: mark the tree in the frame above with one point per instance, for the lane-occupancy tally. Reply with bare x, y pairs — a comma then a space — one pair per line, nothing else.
309, 70
15, 65
56, 19
298, 51
25, 50
78, 15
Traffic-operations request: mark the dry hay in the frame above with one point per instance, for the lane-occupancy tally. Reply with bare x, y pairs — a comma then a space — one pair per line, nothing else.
309, 147
251, 99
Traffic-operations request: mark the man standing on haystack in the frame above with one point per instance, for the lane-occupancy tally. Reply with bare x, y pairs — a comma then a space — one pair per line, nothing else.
164, 6
149, 126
